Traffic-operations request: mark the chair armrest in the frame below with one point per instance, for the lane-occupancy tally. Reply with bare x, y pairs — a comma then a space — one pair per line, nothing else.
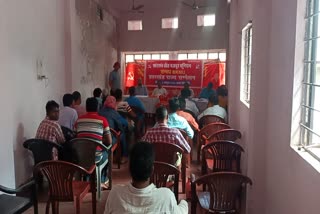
21, 188
91, 169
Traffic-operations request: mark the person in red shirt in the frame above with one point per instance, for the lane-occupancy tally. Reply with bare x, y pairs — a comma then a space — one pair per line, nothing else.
95, 127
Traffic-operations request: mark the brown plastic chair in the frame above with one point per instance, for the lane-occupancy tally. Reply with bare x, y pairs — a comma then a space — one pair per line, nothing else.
114, 147
63, 187
139, 124
207, 119
221, 156
117, 147
225, 134
189, 140
224, 190
207, 131
167, 152
161, 173
10, 203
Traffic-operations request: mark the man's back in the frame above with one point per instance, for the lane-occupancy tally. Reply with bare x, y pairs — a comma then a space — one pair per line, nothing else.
68, 117
162, 133
128, 199
214, 110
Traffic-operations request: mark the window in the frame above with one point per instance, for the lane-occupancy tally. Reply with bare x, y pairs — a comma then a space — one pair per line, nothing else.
182, 56
135, 25
213, 56
129, 58
193, 56
222, 57
206, 20
164, 56
155, 56
146, 56
310, 105
246, 49
168, 23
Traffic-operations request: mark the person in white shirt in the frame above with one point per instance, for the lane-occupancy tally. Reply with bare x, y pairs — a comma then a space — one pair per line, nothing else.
190, 105
159, 90
68, 115
140, 196
214, 109
141, 89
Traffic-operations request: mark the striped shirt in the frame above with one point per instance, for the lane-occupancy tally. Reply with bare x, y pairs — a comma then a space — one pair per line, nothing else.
162, 133
123, 107
92, 126
50, 130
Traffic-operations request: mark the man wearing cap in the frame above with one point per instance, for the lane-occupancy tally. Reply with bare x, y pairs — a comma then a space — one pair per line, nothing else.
114, 78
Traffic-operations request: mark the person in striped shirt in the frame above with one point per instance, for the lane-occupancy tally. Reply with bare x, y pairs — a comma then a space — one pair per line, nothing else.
95, 127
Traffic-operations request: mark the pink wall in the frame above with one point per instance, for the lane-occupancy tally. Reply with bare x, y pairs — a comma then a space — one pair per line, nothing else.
283, 181
187, 37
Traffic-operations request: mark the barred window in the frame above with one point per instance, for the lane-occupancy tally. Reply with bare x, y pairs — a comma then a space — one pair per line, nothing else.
246, 50
310, 105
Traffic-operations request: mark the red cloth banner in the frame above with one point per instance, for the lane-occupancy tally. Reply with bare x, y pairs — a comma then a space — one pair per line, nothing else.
173, 73
134, 71
214, 72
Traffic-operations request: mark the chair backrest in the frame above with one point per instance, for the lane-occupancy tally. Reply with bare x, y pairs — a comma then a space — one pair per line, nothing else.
68, 133
210, 119
225, 134
185, 135
82, 151
116, 135
226, 155
41, 149
60, 176
167, 152
161, 173
212, 128
224, 188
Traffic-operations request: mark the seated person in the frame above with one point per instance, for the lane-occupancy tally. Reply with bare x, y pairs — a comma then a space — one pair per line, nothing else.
139, 196
176, 121
133, 101
187, 90
97, 93
139, 110
116, 122
122, 106
81, 110
222, 93
161, 132
159, 90
191, 120
68, 116
207, 92
141, 89
214, 109
190, 105
95, 127
49, 129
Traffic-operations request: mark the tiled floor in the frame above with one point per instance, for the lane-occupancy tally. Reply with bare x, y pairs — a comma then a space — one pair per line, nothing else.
120, 176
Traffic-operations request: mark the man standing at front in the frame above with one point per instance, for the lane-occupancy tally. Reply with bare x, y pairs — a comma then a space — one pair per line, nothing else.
114, 78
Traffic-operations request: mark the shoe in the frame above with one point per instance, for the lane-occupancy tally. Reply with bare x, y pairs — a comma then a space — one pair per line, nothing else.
105, 185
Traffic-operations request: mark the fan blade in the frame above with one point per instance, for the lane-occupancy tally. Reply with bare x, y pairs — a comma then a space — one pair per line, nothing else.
139, 7
186, 4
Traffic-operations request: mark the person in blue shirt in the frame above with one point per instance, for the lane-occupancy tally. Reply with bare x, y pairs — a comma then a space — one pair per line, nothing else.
207, 92
139, 109
176, 121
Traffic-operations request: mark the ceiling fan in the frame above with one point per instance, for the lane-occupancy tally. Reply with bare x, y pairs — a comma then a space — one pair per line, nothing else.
194, 5
136, 9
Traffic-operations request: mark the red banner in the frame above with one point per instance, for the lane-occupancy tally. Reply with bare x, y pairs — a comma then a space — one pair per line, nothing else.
214, 72
134, 71
173, 73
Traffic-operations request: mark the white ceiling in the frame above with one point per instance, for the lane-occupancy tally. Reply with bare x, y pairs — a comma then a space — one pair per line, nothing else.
149, 5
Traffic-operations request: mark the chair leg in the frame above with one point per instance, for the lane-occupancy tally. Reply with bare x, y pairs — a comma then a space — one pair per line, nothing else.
183, 177
94, 200
110, 171
55, 207
77, 205
198, 151
98, 172
48, 207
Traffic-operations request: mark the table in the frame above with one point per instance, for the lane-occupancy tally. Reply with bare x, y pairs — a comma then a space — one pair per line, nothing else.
148, 102
201, 103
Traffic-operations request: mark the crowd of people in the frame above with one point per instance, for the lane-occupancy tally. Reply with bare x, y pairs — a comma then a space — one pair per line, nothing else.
103, 112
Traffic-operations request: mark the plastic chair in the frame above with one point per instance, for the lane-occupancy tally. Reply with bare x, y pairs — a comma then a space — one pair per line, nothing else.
63, 187
221, 156
224, 190
68, 133
117, 147
225, 134
207, 119
161, 173
205, 132
16, 204
82, 151
189, 140
139, 123
42, 150
167, 153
